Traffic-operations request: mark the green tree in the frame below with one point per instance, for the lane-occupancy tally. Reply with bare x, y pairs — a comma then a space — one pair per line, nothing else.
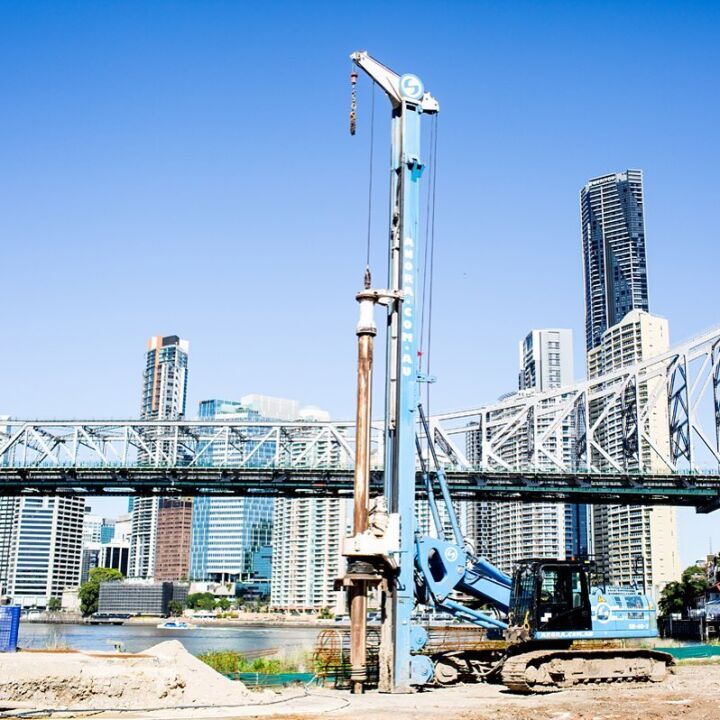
671, 599
201, 601
54, 604
223, 604
175, 608
694, 580
677, 597
89, 592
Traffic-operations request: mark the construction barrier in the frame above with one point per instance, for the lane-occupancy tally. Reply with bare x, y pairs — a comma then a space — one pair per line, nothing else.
9, 627
692, 652
252, 679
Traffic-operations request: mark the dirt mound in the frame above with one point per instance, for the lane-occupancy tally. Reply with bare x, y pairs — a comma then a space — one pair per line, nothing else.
162, 676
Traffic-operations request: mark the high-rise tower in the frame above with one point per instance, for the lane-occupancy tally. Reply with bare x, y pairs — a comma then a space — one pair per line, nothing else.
165, 378
614, 262
628, 541
163, 398
546, 360
228, 533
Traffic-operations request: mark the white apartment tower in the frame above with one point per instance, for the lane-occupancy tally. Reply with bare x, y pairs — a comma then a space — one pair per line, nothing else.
307, 553
634, 542
522, 530
307, 532
546, 359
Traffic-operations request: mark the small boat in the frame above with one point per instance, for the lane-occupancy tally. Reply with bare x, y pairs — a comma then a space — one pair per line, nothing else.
175, 625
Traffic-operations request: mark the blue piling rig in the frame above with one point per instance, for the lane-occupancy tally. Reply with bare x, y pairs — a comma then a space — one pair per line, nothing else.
546, 600
409, 103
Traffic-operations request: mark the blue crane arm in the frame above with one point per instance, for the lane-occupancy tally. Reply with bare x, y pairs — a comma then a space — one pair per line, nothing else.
484, 581
446, 566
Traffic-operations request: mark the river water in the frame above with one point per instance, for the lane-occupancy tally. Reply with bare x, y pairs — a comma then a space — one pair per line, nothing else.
136, 638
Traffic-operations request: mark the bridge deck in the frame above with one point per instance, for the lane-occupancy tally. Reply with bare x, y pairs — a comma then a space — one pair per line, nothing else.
699, 490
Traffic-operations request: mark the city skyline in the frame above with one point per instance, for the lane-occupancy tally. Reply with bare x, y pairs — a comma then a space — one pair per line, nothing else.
127, 192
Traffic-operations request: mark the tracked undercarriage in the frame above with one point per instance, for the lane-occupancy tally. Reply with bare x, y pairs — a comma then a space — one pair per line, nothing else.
551, 670
521, 669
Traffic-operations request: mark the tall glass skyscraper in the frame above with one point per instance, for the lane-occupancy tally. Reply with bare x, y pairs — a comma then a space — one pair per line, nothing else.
228, 534
613, 238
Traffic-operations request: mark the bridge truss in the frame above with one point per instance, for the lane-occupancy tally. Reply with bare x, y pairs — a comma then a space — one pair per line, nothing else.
649, 433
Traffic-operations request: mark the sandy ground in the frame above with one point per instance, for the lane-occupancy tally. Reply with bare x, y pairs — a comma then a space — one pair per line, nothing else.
692, 693
165, 675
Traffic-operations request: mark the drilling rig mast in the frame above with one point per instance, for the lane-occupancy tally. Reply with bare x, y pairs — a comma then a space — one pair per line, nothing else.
409, 102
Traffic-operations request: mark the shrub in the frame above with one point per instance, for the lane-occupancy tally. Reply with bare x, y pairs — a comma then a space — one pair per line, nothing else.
230, 661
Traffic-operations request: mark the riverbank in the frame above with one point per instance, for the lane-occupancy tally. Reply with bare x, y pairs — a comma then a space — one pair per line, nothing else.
264, 620
137, 637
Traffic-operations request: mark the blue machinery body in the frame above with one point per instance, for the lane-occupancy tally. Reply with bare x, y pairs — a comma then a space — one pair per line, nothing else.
444, 566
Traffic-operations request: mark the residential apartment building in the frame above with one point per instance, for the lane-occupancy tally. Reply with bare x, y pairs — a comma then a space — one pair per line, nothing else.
306, 533
44, 540
307, 553
163, 398
507, 532
634, 542
546, 359
613, 244
172, 543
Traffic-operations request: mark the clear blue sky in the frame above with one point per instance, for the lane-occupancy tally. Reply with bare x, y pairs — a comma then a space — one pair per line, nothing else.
180, 167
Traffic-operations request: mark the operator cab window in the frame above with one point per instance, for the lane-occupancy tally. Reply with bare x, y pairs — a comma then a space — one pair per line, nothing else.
563, 602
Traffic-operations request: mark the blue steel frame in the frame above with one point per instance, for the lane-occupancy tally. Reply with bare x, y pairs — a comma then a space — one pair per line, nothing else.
402, 370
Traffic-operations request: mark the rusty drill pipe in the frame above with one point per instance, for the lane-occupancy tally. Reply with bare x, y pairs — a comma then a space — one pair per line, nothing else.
357, 593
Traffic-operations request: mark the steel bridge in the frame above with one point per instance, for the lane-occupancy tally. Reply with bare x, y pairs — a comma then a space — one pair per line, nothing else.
646, 434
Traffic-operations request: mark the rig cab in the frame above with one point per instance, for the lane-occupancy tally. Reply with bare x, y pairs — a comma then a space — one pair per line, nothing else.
554, 600
550, 599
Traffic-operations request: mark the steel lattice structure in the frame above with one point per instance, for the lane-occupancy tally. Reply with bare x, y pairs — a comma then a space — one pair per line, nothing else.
648, 418
647, 433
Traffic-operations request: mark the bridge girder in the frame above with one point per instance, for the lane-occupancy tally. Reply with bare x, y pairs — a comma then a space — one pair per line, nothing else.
643, 426
701, 491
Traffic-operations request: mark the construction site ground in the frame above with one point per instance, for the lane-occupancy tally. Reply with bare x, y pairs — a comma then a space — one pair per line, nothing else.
692, 692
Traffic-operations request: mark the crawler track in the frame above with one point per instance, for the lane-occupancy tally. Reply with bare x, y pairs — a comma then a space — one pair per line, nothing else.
542, 671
